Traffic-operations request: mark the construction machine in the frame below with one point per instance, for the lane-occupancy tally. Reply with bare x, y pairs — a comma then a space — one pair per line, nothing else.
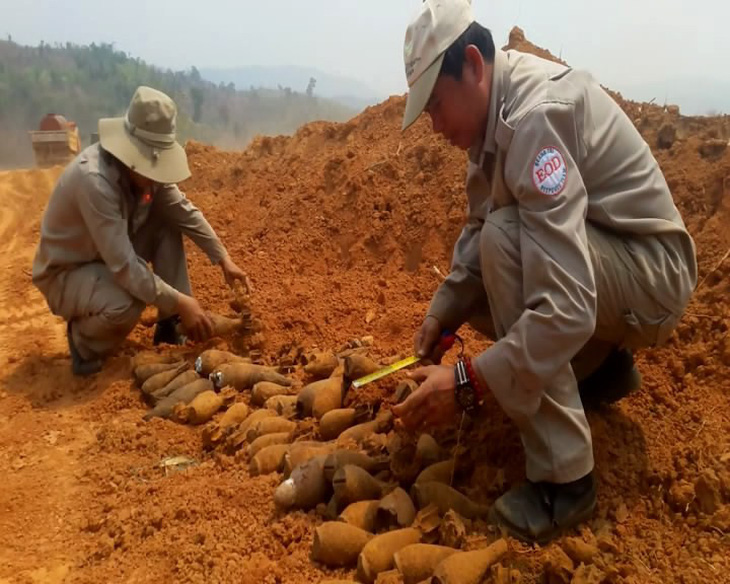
55, 142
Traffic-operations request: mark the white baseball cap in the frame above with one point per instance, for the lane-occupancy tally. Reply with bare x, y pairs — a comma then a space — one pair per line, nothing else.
438, 24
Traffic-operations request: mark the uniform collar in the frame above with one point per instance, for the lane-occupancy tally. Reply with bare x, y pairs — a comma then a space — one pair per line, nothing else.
488, 144
123, 180
115, 170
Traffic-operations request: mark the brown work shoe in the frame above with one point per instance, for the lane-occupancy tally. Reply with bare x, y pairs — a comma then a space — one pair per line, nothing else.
539, 512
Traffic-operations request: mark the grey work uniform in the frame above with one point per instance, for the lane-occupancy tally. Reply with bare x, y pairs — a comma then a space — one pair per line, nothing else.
96, 237
572, 236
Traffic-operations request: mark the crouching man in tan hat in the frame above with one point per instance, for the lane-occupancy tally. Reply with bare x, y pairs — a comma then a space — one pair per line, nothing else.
572, 256
115, 208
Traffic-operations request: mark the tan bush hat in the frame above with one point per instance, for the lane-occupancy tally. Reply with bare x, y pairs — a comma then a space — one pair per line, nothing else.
438, 24
144, 139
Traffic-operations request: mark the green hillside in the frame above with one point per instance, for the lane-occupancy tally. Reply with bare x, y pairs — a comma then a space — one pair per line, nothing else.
85, 83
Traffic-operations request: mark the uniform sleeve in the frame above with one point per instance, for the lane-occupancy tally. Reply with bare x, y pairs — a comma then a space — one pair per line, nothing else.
175, 209
101, 210
559, 289
461, 293
454, 301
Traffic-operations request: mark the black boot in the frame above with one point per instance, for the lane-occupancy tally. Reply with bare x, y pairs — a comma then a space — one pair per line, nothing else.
166, 331
614, 379
80, 366
539, 512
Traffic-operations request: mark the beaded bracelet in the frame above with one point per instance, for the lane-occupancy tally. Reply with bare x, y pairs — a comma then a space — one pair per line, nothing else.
474, 380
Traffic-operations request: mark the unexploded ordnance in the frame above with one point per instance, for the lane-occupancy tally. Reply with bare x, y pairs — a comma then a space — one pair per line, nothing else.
322, 365
143, 372
338, 544
334, 422
215, 432
341, 457
445, 498
382, 423
183, 379
270, 425
357, 366
263, 390
302, 451
440, 472
184, 394
417, 562
469, 567
361, 514
149, 357
161, 379
284, 405
352, 483
268, 440
246, 375
427, 450
319, 397
208, 360
201, 409
377, 555
267, 460
305, 488
396, 509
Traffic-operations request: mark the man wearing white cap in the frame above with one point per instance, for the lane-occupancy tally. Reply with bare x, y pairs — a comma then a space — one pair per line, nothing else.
573, 255
115, 208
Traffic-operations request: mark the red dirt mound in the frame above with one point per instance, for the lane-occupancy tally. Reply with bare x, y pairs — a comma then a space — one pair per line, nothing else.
340, 227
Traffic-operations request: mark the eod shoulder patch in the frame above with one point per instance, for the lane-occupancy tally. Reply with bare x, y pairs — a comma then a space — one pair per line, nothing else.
549, 171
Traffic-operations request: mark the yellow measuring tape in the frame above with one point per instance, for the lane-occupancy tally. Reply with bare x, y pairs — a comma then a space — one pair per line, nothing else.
397, 366
447, 340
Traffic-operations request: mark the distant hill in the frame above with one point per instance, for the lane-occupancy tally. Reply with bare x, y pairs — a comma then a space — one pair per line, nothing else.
346, 90
85, 83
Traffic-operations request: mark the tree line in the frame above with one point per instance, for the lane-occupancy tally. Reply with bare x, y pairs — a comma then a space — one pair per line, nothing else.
87, 82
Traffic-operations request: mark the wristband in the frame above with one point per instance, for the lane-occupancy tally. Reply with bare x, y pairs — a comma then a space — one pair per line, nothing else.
474, 380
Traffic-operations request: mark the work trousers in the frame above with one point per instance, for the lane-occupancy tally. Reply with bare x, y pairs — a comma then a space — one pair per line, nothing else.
557, 438
103, 313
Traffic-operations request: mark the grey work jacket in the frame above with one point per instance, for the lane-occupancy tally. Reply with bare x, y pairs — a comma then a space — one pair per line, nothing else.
559, 148
92, 215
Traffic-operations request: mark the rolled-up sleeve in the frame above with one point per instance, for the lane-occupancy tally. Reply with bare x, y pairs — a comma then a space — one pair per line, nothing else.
559, 290
101, 210
177, 210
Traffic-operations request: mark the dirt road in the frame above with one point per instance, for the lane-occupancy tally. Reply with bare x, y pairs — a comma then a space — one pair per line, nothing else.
82, 484
39, 434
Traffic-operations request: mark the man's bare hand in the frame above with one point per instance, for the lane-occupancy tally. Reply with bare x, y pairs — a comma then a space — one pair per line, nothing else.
232, 273
195, 321
433, 403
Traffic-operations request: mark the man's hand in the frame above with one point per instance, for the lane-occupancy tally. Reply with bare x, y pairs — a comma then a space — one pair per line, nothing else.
426, 340
434, 402
232, 273
197, 324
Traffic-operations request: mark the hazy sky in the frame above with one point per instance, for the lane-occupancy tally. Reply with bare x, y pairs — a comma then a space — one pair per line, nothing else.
625, 43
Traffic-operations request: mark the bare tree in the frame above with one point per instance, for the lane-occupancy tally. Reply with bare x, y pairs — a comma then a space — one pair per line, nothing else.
310, 86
